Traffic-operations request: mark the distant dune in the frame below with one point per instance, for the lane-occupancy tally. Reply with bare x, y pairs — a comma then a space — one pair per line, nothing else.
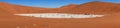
90, 7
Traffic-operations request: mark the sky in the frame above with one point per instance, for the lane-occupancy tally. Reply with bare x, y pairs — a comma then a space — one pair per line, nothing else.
51, 3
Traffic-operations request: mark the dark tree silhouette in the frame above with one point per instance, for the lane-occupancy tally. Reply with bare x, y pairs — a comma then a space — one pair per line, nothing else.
87, 13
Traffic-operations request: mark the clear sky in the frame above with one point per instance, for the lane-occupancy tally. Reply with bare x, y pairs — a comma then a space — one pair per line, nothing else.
51, 3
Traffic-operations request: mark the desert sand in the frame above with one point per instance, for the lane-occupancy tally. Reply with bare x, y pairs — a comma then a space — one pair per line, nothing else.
110, 20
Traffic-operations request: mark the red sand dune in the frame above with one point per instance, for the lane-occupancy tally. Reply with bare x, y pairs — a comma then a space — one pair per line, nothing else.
111, 20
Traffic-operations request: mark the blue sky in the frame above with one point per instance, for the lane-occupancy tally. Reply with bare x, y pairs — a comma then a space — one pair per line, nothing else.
51, 3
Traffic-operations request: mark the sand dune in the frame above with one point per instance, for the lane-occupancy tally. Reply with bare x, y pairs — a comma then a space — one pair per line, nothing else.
111, 20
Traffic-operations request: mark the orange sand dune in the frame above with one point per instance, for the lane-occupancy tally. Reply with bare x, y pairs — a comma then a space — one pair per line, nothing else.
90, 7
111, 20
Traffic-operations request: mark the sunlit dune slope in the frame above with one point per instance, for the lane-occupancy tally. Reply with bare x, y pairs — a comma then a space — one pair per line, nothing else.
90, 7
12, 8
95, 7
